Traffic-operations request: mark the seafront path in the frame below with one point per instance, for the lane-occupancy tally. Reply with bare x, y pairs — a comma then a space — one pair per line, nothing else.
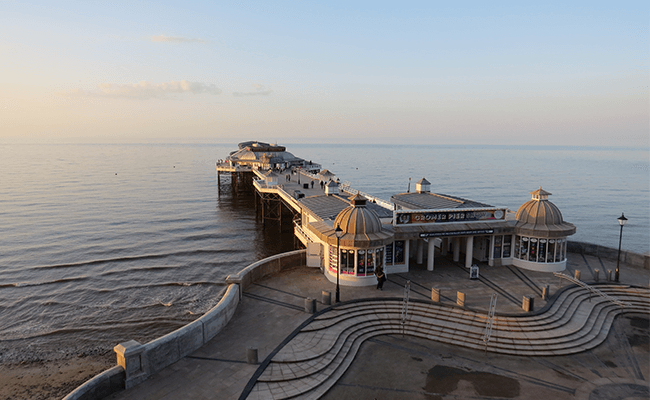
390, 365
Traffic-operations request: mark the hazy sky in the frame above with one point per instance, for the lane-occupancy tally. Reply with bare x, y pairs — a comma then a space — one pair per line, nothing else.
572, 73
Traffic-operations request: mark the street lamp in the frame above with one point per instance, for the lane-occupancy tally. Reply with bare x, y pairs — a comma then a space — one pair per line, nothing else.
621, 221
339, 232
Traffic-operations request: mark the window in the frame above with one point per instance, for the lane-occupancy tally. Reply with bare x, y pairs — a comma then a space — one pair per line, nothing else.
370, 262
542, 251
379, 258
507, 243
399, 252
349, 266
497, 246
389, 254
361, 263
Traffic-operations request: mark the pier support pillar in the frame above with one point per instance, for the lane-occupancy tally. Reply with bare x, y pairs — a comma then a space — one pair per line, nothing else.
469, 248
445, 246
430, 254
456, 244
420, 251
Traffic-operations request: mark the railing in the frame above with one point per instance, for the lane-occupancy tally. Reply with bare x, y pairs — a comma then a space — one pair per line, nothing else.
592, 289
346, 186
304, 234
490, 320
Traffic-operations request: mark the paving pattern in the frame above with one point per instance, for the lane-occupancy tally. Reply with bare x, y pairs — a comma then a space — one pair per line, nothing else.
316, 357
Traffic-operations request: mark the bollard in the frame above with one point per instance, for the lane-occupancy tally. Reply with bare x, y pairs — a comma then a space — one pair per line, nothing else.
326, 297
435, 295
546, 293
460, 299
576, 274
528, 303
310, 305
609, 275
251, 355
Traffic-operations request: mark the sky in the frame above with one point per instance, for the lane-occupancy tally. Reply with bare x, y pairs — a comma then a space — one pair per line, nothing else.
488, 73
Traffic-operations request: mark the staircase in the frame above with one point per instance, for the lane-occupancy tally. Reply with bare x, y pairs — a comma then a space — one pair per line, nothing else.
317, 356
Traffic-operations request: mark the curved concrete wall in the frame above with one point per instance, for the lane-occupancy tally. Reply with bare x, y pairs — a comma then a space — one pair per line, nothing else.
136, 362
627, 257
102, 385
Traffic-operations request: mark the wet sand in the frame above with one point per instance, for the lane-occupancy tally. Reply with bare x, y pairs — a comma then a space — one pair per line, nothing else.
45, 380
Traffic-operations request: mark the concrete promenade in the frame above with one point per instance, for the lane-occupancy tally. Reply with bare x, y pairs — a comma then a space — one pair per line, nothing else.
394, 366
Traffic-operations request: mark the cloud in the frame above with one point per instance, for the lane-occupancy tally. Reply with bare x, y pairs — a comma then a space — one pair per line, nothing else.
146, 90
175, 39
259, 91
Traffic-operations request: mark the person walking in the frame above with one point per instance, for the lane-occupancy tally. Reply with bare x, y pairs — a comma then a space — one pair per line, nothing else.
381, 278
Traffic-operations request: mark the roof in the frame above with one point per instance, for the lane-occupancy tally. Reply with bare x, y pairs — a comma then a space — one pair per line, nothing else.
328, 207
423, 181
539, 217
433, 201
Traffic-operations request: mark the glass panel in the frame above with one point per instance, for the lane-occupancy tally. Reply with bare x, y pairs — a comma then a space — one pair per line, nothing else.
551, 251
524, 248
399, 252
518, 246
532, 255
344, 260
379, 259
349, 267
333, 259
361, 263
389, 254
507, 243
370, 262
542, 251
497, 246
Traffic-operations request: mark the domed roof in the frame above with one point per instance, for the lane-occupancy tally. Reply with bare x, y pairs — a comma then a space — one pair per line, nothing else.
357, 218
540, 218
361, 226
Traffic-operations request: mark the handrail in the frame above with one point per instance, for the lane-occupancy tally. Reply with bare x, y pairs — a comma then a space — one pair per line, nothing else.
346, 186
592, 289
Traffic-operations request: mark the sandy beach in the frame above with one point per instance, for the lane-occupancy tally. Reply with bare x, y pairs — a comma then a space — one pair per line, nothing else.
45, 380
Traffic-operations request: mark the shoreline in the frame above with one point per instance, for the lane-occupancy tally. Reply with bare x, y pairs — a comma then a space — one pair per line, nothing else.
45, 380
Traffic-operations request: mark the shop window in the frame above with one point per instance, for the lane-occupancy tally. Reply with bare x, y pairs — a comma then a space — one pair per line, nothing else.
518, 247
389, 254
379, 258
542, 251
333, 259
551, 250
532, 253
361, 263
497, 246
344, 260
370, 262
524, 248
349, 266
507, 243
399, 252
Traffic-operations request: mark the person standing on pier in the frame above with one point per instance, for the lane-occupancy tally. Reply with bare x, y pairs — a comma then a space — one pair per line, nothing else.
381, 278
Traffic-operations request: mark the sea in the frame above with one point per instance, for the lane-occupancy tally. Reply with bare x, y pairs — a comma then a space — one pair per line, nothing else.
104, 243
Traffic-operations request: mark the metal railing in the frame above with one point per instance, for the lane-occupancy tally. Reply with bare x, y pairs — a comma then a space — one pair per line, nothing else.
490, 320
592, 289
346, 186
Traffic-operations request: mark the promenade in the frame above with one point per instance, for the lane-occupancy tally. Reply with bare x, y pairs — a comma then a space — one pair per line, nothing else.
392, 365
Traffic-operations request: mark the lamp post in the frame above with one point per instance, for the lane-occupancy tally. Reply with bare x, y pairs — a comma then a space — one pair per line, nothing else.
621, 221
339, 232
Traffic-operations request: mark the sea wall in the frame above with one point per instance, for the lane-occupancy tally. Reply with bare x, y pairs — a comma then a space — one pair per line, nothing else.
136, 361
102, 385
627, 257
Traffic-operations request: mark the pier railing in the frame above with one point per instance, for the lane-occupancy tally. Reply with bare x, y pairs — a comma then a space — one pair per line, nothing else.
346, 186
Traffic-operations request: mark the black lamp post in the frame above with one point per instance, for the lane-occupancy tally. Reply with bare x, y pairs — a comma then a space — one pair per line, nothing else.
339, 232
621, 221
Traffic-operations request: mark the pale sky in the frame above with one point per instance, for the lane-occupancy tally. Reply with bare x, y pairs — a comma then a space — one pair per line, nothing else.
531, 73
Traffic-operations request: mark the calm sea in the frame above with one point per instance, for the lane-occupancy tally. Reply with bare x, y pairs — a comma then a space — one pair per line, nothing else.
104, 243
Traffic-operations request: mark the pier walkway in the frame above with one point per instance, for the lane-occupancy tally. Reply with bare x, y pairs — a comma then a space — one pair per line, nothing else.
437, 352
